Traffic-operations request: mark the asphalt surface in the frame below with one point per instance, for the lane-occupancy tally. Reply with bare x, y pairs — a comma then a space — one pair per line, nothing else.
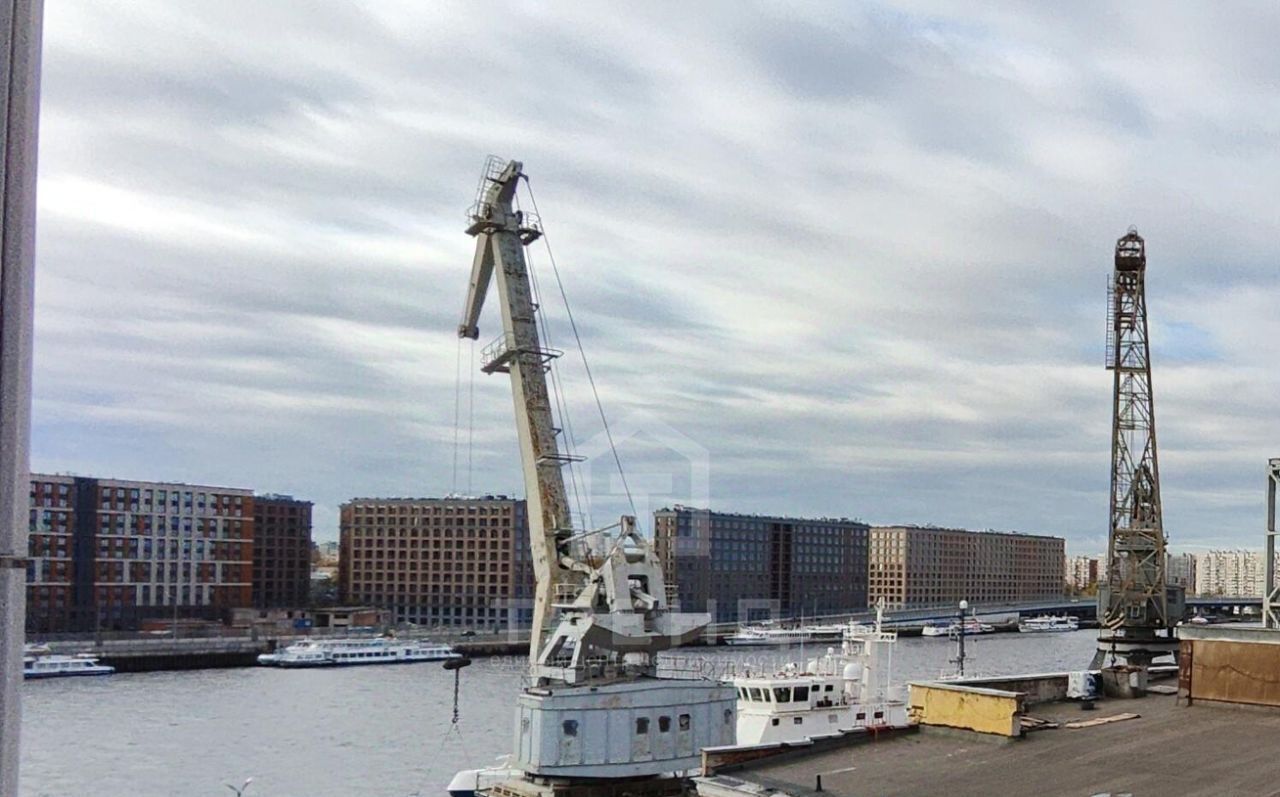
1171, 750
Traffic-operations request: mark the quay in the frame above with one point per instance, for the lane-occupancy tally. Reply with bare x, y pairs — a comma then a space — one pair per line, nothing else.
140, 654
1022, 735
1168, 749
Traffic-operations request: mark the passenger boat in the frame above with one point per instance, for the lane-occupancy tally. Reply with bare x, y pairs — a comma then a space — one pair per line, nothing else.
1046, 623
339, 652
52, 665
778, 637
843, 692
952, 627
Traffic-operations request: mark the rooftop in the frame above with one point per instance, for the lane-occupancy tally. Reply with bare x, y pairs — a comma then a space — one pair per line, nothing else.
1204, 749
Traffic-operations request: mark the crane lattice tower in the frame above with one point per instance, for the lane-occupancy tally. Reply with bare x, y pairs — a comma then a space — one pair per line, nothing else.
1134, 609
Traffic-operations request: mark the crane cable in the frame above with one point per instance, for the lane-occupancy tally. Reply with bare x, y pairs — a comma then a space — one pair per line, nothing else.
457, 413
558, 396
573, 325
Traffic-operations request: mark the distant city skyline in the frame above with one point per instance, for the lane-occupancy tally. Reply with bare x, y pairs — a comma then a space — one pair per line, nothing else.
825, 252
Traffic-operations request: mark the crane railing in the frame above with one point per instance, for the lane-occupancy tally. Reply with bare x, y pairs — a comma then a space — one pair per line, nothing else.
497, 355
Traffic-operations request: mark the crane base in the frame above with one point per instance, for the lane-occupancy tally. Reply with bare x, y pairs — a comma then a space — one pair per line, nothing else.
1134, 652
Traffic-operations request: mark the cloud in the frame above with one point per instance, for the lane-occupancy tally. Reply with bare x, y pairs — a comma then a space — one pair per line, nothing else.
858, 255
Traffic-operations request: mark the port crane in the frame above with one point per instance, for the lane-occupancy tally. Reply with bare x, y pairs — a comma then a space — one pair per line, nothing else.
596, 706
1137, 609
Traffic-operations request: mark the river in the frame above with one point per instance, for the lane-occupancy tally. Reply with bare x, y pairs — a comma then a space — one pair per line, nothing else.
381, 731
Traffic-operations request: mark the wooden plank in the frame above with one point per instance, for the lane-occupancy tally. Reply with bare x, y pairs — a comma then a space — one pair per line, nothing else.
1102, 720
1186, 651
1236, 672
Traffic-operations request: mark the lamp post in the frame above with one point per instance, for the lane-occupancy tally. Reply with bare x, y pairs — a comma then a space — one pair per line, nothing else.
964, 606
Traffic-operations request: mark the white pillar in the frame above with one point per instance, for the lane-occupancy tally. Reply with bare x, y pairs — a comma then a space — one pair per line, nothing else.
1270, 589
19, 95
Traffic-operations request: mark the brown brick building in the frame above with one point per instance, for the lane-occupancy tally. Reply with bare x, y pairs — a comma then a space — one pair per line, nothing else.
912, 566
281, 552
107, 554
438, 561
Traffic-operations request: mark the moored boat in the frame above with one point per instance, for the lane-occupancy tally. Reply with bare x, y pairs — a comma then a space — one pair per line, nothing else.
53, 665
778, 637
1046, 623
345, 652
945, 628
849, 691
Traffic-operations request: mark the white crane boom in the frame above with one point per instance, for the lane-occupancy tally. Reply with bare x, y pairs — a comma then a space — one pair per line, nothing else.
501, 234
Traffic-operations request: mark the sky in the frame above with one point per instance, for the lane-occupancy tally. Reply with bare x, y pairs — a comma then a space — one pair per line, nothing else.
843, 260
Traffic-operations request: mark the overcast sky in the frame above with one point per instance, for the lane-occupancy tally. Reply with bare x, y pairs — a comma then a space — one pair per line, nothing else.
848, 260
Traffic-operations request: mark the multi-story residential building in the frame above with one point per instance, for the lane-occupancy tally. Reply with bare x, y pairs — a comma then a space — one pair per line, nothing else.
438, 561
747, 567
107, 554
328, 551
1180, 570
281, 551
1237, 572
1083, 572
912, 566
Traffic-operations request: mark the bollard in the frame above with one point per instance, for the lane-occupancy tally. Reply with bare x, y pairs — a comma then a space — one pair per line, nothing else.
819, 786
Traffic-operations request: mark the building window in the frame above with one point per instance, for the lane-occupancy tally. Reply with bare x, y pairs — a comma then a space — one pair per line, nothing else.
570, 727
642, 726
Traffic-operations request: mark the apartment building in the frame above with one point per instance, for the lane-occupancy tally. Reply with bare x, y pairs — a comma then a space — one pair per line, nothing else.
109, 553
915, 566
1236, 572
1083, 572
438, 561
281, 552
745, 567
1180, 571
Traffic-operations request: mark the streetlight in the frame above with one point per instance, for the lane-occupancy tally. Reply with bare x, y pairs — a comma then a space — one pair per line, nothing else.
964, 607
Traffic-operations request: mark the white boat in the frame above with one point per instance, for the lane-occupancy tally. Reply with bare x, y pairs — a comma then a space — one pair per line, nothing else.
339, 652
952, 628
471, 782
52, 665
843, 692
1046, 623
778, 637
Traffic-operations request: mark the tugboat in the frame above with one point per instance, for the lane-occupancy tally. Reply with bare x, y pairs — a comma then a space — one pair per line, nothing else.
843, 692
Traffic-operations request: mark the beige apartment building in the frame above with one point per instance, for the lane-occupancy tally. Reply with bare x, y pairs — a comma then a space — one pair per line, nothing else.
916, 566
438, 561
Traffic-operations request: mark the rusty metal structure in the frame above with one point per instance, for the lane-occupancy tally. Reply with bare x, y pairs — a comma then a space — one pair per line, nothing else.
1135, 613
1271, 593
